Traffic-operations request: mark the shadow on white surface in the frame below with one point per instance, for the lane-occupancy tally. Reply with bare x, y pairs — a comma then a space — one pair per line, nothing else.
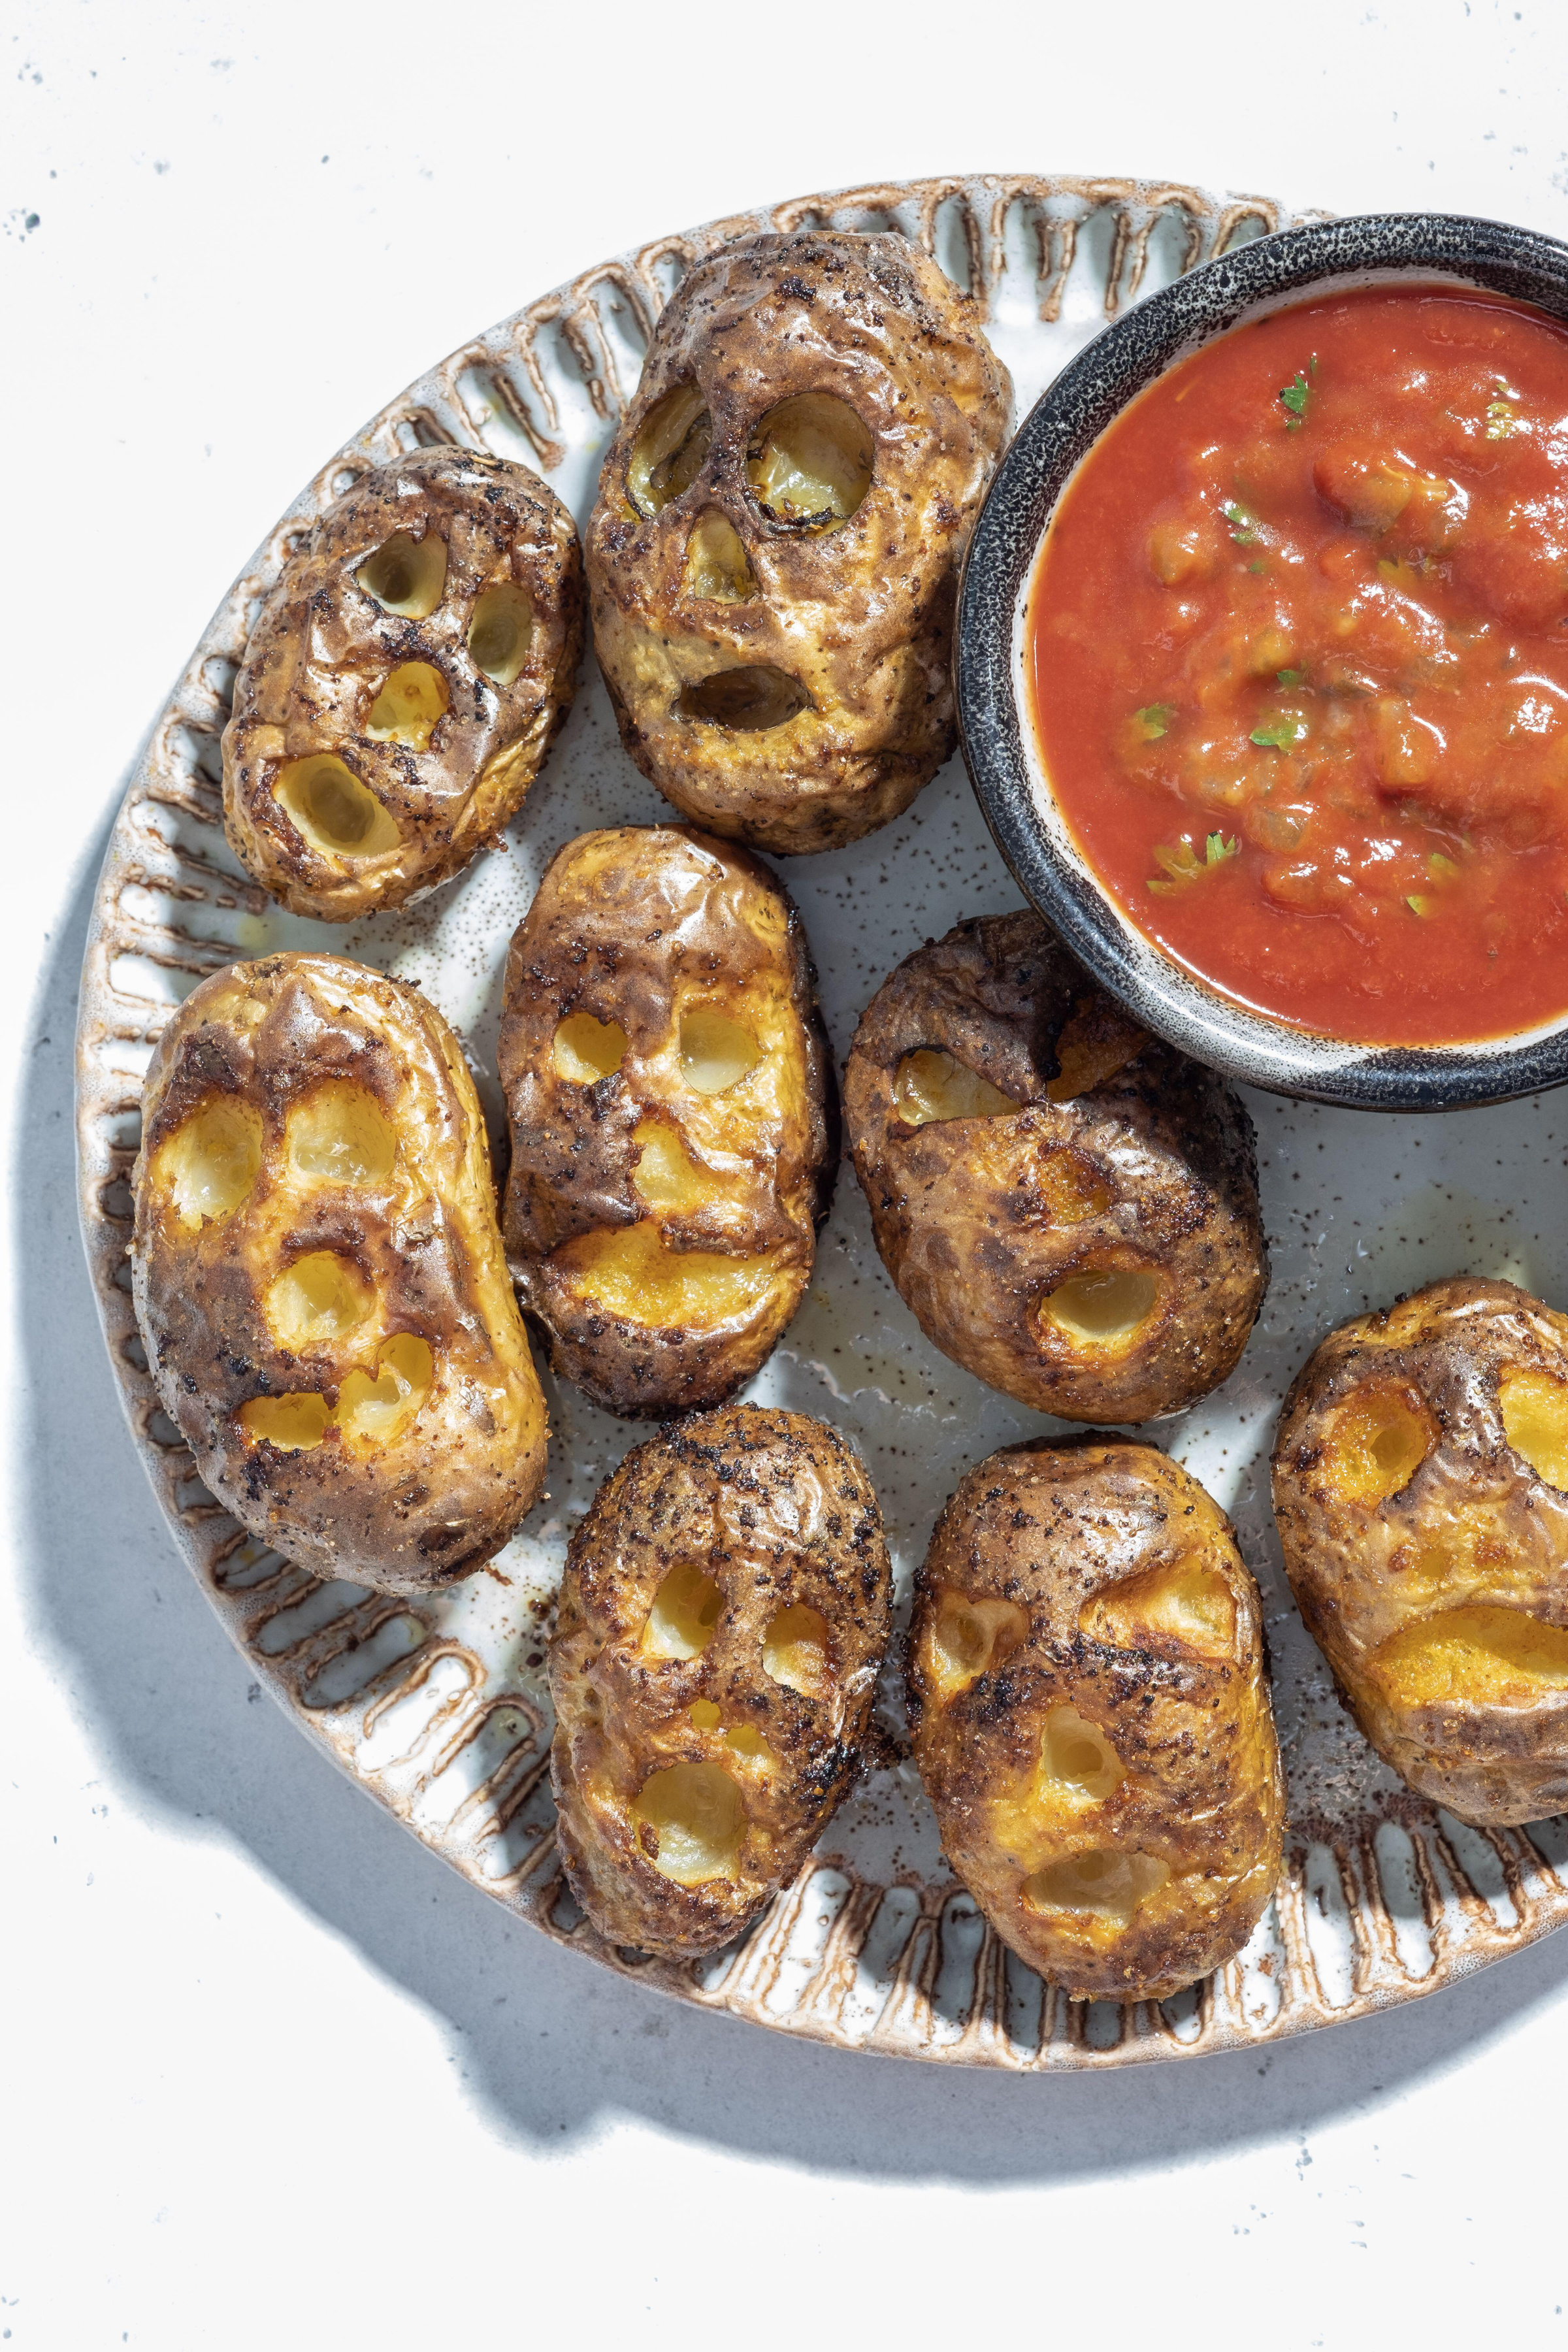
547, 2044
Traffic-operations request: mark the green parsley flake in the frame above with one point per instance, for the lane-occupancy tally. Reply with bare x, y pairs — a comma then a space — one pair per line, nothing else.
1240, 523
1278, 733
1154, 719
1180, 864
1291, 677
1419, 906
1294, 397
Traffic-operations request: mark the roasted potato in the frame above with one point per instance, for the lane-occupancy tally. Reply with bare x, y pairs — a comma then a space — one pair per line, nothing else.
402, 682
772, 561
1092, 1719
319, 1276
673, 1115
1421, 1488
724, 1609
1068, 1206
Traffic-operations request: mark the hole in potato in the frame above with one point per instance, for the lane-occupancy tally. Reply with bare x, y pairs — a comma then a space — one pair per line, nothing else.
717, 568
750, 700
809, 461
406, 575
1493, 1657
502, 631
747, 1741
1535, 1421
1186, 1601
379, 1408
1072, 1187
702, 1712
292, 1424
669, 450
666, 1176
968, 1638
586, 1050
331, 809
1102, 1310
1078, 1757
631, 1272
212, 1160
1378, 1441
697, 1820
685, 1611
933, 1085
1105, 1882
413, 697
794, 1651
716, 1053
1097, 1041
340, 1135
319, 1298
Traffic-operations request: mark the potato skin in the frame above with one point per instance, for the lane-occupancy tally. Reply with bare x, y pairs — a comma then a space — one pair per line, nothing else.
322, 646
779, 1512
963, 1210
859, 616
1053, 1530
1475, 1528
427, 1503
639, 926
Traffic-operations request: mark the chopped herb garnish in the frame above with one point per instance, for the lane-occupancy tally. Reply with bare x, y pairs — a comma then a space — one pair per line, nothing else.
1419, 906
1278, 733
1294, 397
1182, 864
1154, 719
1502, 420
1217, 849
1441, 868
1291, 677
1240, 523
1258, 564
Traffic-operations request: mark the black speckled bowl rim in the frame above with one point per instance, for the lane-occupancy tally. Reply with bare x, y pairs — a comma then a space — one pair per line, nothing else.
997, 736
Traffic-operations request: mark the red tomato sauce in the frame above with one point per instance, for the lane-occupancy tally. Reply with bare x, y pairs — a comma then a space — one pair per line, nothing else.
1299, 637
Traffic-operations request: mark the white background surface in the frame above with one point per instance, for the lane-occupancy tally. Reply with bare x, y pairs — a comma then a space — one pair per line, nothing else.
270, 2074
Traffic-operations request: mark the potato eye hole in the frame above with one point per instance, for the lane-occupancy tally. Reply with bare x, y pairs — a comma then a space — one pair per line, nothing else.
690, 1822
406, 575
684, 1616
293, 1425
379, 1407
413, 697
970, 1637
331, 810
1071, 1187
320, 1299
664, 1175
340, 1135
717, 568
748, 700
742, 1739
716, 1053
809, 461
212, 1160
1076, 1757
631, 1272
1378, 1441
795, 1652
933, 1084
585, 1050
501, 632
1103, 1308
1186, 1601
1098, 1042
1490, 1657
1102, 1882
1535, 1421
670, 451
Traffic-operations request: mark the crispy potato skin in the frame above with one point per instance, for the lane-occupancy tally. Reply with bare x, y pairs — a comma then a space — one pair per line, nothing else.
1475, 1528
778, 1511
641, 926
968, 1212
423, 1505
1048, 1533
860, 615
323, 648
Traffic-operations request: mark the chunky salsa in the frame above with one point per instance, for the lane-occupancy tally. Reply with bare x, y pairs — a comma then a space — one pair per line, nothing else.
1299, 648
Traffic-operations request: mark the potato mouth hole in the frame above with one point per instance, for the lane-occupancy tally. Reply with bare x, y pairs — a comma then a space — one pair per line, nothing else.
331, 809
212, 1160
717, 568
1535, 1421
340, 1135
321, 1298
413, 698
809, 461
742, 1739
684, 1617
293, 1425
748, 700
669, 451
1491, 1658
406, 575
501, 631
794, 1651
1078, 1758
716, 1053
969, 1637
1378, 1441
1186, 1602
693, 1818
1103, 1308
1104, 1882
630, 1272
586, 1050
933, 1084
1072, 1187
666, 1177
380, 1408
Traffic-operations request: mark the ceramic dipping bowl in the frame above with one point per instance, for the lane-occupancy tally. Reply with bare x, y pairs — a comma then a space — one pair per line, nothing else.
995, 694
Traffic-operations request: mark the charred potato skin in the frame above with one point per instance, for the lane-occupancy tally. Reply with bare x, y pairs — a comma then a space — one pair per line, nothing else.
1476, 1526
442, 1495
323, 648
781, 1513
1051, 1529
960, 1209
633, 924
860, 615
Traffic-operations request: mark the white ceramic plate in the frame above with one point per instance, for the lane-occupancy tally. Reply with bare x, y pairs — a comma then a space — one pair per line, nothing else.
437, 1707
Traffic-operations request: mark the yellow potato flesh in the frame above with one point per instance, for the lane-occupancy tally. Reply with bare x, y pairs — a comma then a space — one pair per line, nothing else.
666, 1176
340, 1135
750, 699
1102, 1310
810, 460
932, 1085
320, 1298
716, 1053
717, 568
1102, 1880
380, 1408
1072, 1187
669, 450
698, 1819
631, 1272
405, 575
1378, 1442
413, 697
331, 809
794, 1651
1494, 1657
969, 1637
585, 1050
1535, 1421
685, 1613
1077, 1760
1186, 1602
292, 1424
502, 631
212, 1160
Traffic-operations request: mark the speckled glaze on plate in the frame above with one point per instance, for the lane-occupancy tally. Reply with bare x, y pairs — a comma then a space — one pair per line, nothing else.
436, 1707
